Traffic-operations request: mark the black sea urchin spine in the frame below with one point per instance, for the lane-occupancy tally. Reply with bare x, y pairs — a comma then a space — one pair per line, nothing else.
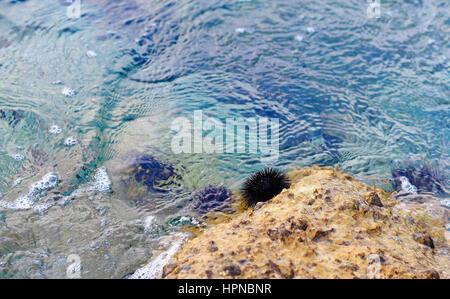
263, 185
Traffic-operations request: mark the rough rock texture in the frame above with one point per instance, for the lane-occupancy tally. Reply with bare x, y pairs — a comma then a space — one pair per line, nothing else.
326, 225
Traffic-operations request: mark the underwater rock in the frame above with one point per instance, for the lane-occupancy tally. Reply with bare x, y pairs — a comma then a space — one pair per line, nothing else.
321, 227
38, 157
135, 174
264, 185
151, 172
211, 198
13, 117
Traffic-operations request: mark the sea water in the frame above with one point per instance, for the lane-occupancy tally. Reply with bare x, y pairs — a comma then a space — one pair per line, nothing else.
82, 87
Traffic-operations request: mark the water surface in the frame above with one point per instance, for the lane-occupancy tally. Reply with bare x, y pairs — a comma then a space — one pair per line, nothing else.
357, 92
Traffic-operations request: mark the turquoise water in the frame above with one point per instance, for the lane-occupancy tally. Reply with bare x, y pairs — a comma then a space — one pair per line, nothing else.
349, 90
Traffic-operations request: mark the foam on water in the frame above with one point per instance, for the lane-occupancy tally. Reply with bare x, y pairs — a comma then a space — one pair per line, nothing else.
102, 181
36, 191
243, 30
148, 223
18, 157
55, 130
299, 38
154, 269
71, 141
285, 60
68, 92
91, 54
445, 203
407, 186
17, 182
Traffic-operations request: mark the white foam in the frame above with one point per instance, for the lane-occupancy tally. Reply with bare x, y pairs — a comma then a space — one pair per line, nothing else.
91, 54
148, 223
71, 141
68, 92
23, 202
299, 38
154, 269
18, 157
407, 186
445, 203
102, 181
55, 130
243, 30
17, 182
36, 190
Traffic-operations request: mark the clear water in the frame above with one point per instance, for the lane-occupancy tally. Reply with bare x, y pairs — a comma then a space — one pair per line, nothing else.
359, 92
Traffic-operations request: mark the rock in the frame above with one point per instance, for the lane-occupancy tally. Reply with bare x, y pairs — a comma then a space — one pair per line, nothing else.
38, 157
342, 233
259, 205
167, 269
232, 270
13, 117
424, 239
136, 174
212, 246
151, 172
429, 274
374, 199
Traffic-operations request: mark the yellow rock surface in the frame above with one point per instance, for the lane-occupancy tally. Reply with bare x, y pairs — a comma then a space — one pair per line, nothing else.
326, 225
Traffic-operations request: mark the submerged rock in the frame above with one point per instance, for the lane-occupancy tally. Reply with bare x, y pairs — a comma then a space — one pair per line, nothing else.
151, 172
136, 174
326, 225
13, 117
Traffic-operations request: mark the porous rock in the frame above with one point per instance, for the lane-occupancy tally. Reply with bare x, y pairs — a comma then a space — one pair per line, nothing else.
324, 226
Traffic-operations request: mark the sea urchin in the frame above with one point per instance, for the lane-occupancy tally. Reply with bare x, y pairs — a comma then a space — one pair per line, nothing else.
263, 185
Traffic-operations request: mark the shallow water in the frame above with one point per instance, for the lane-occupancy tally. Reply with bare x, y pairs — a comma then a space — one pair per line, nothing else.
357, 92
